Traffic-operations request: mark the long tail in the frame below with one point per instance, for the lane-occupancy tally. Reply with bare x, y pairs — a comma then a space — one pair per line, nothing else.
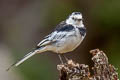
27, 56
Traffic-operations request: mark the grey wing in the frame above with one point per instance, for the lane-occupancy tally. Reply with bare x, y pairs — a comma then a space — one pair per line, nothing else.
45, 41
52, 38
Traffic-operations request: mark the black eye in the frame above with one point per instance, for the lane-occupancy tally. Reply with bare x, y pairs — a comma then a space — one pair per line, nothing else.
73, 18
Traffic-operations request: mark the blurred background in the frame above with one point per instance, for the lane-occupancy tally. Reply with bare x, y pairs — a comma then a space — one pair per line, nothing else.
23, 23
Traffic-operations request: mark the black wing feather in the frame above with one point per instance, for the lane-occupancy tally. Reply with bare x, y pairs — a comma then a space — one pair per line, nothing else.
64, 27
56, 35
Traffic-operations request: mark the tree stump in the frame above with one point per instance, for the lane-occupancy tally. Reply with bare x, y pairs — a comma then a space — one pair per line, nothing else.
102, 69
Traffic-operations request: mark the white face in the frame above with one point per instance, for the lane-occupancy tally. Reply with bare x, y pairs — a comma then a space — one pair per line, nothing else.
75, 19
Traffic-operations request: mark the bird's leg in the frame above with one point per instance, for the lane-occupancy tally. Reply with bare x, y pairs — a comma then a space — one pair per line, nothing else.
65, 58
59, 55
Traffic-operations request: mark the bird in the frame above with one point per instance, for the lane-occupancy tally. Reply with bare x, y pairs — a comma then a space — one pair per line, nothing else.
66, 37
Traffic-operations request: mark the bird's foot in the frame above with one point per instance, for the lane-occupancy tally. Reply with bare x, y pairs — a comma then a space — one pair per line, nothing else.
59, 55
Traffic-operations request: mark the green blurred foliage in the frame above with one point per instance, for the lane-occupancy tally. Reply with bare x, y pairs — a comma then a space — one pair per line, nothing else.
107, 13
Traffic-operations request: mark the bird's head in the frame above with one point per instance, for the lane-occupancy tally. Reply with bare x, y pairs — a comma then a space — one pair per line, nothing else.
75, 19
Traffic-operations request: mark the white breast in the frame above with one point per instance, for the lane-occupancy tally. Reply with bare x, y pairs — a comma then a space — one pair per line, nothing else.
69, 43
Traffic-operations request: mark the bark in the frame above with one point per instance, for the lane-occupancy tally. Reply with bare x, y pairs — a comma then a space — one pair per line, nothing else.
102, 70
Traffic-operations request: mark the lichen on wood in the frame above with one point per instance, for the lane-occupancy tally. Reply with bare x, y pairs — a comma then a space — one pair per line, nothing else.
102, 69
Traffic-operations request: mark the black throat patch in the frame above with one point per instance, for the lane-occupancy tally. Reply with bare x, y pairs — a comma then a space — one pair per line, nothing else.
82, 31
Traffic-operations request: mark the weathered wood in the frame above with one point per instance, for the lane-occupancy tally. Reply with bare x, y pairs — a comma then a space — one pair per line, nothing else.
102, 69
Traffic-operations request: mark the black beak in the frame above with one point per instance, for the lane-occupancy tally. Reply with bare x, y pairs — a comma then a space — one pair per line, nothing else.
79, 19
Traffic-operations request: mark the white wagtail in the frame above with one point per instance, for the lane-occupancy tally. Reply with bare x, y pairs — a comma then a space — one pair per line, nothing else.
65, 38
